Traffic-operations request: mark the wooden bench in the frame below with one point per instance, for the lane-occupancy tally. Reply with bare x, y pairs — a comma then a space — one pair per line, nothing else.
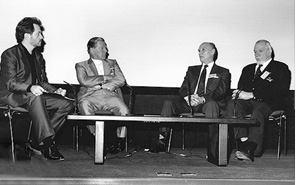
222, 130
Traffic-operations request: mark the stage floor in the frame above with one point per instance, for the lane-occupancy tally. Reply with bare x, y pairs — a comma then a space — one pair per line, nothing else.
177, 167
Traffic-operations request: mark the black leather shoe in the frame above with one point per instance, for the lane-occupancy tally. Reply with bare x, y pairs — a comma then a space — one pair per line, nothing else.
246, 151
52, 153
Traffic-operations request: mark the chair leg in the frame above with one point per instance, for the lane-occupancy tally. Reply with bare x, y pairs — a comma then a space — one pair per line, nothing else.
80, 127
279, 141
183, 136
11, 135
74, 137
126, 140
285, 135
29, 132
77, 137
170, 140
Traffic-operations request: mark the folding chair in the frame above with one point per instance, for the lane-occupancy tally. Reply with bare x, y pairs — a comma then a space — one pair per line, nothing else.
280, 119
10, 112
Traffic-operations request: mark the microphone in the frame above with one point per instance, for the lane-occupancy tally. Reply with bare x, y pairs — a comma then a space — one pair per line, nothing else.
235, 101
72, 87
75, 96
189, 98
67, 83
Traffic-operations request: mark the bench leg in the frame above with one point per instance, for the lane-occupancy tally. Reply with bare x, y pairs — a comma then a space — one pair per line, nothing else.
99, 142
223, 145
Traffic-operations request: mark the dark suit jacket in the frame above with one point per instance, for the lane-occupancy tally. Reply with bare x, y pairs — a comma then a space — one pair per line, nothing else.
88, 77
271, 86
218, 84
16, 75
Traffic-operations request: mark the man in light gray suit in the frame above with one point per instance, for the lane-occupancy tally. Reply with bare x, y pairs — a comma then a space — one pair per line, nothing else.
101, 79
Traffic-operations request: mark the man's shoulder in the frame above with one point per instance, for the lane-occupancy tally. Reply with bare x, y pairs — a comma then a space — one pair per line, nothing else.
82, 62
252, 65
111, 61
12, 49
194, 67
278, 63
221, 68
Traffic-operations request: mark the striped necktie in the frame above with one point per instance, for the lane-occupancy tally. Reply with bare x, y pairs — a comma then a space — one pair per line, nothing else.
258, 71
201, 87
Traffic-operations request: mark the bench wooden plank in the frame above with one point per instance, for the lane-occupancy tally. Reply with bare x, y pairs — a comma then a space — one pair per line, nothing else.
162, 119
222, 130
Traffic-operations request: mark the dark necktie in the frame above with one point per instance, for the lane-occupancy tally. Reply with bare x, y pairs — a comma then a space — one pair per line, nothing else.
258, 72
201, 87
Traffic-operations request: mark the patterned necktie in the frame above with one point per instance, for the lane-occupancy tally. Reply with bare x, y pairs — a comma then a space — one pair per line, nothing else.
201, 87
258, 72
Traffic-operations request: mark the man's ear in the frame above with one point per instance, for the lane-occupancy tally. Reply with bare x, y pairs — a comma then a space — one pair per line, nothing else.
27, 36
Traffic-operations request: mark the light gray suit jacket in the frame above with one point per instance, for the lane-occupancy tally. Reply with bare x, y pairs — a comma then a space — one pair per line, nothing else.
90, 81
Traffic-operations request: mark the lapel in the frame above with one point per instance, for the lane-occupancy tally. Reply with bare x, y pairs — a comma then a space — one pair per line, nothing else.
25, 63
269, 67
214, 70
194, 77
209, 85
106, 67
92, 66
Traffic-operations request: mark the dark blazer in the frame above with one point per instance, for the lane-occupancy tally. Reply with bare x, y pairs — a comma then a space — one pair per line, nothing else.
218, 84
16, 75
88, 77
271, 86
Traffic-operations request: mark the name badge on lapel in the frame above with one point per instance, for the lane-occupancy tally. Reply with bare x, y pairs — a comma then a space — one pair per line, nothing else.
265, 75
213, 76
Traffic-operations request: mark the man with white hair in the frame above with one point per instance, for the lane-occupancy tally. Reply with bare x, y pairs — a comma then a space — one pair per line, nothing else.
261, 89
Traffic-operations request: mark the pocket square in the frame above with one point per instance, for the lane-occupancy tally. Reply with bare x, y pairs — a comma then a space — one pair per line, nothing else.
213, 76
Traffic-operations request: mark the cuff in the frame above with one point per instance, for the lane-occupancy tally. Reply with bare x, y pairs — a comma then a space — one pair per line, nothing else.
29, 88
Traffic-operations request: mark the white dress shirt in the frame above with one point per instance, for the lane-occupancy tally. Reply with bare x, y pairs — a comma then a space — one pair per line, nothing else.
264, 65
99, 66
208, 70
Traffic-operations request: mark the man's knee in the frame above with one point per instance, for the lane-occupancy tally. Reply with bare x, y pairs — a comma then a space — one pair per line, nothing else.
84, 105
167, 108
211, 105
124, 110
35, 99
211, 109
229, 111
68, 106
167, 104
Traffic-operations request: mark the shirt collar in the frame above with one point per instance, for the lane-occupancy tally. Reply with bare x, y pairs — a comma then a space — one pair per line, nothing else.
265, 64
96, 61
210, 65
